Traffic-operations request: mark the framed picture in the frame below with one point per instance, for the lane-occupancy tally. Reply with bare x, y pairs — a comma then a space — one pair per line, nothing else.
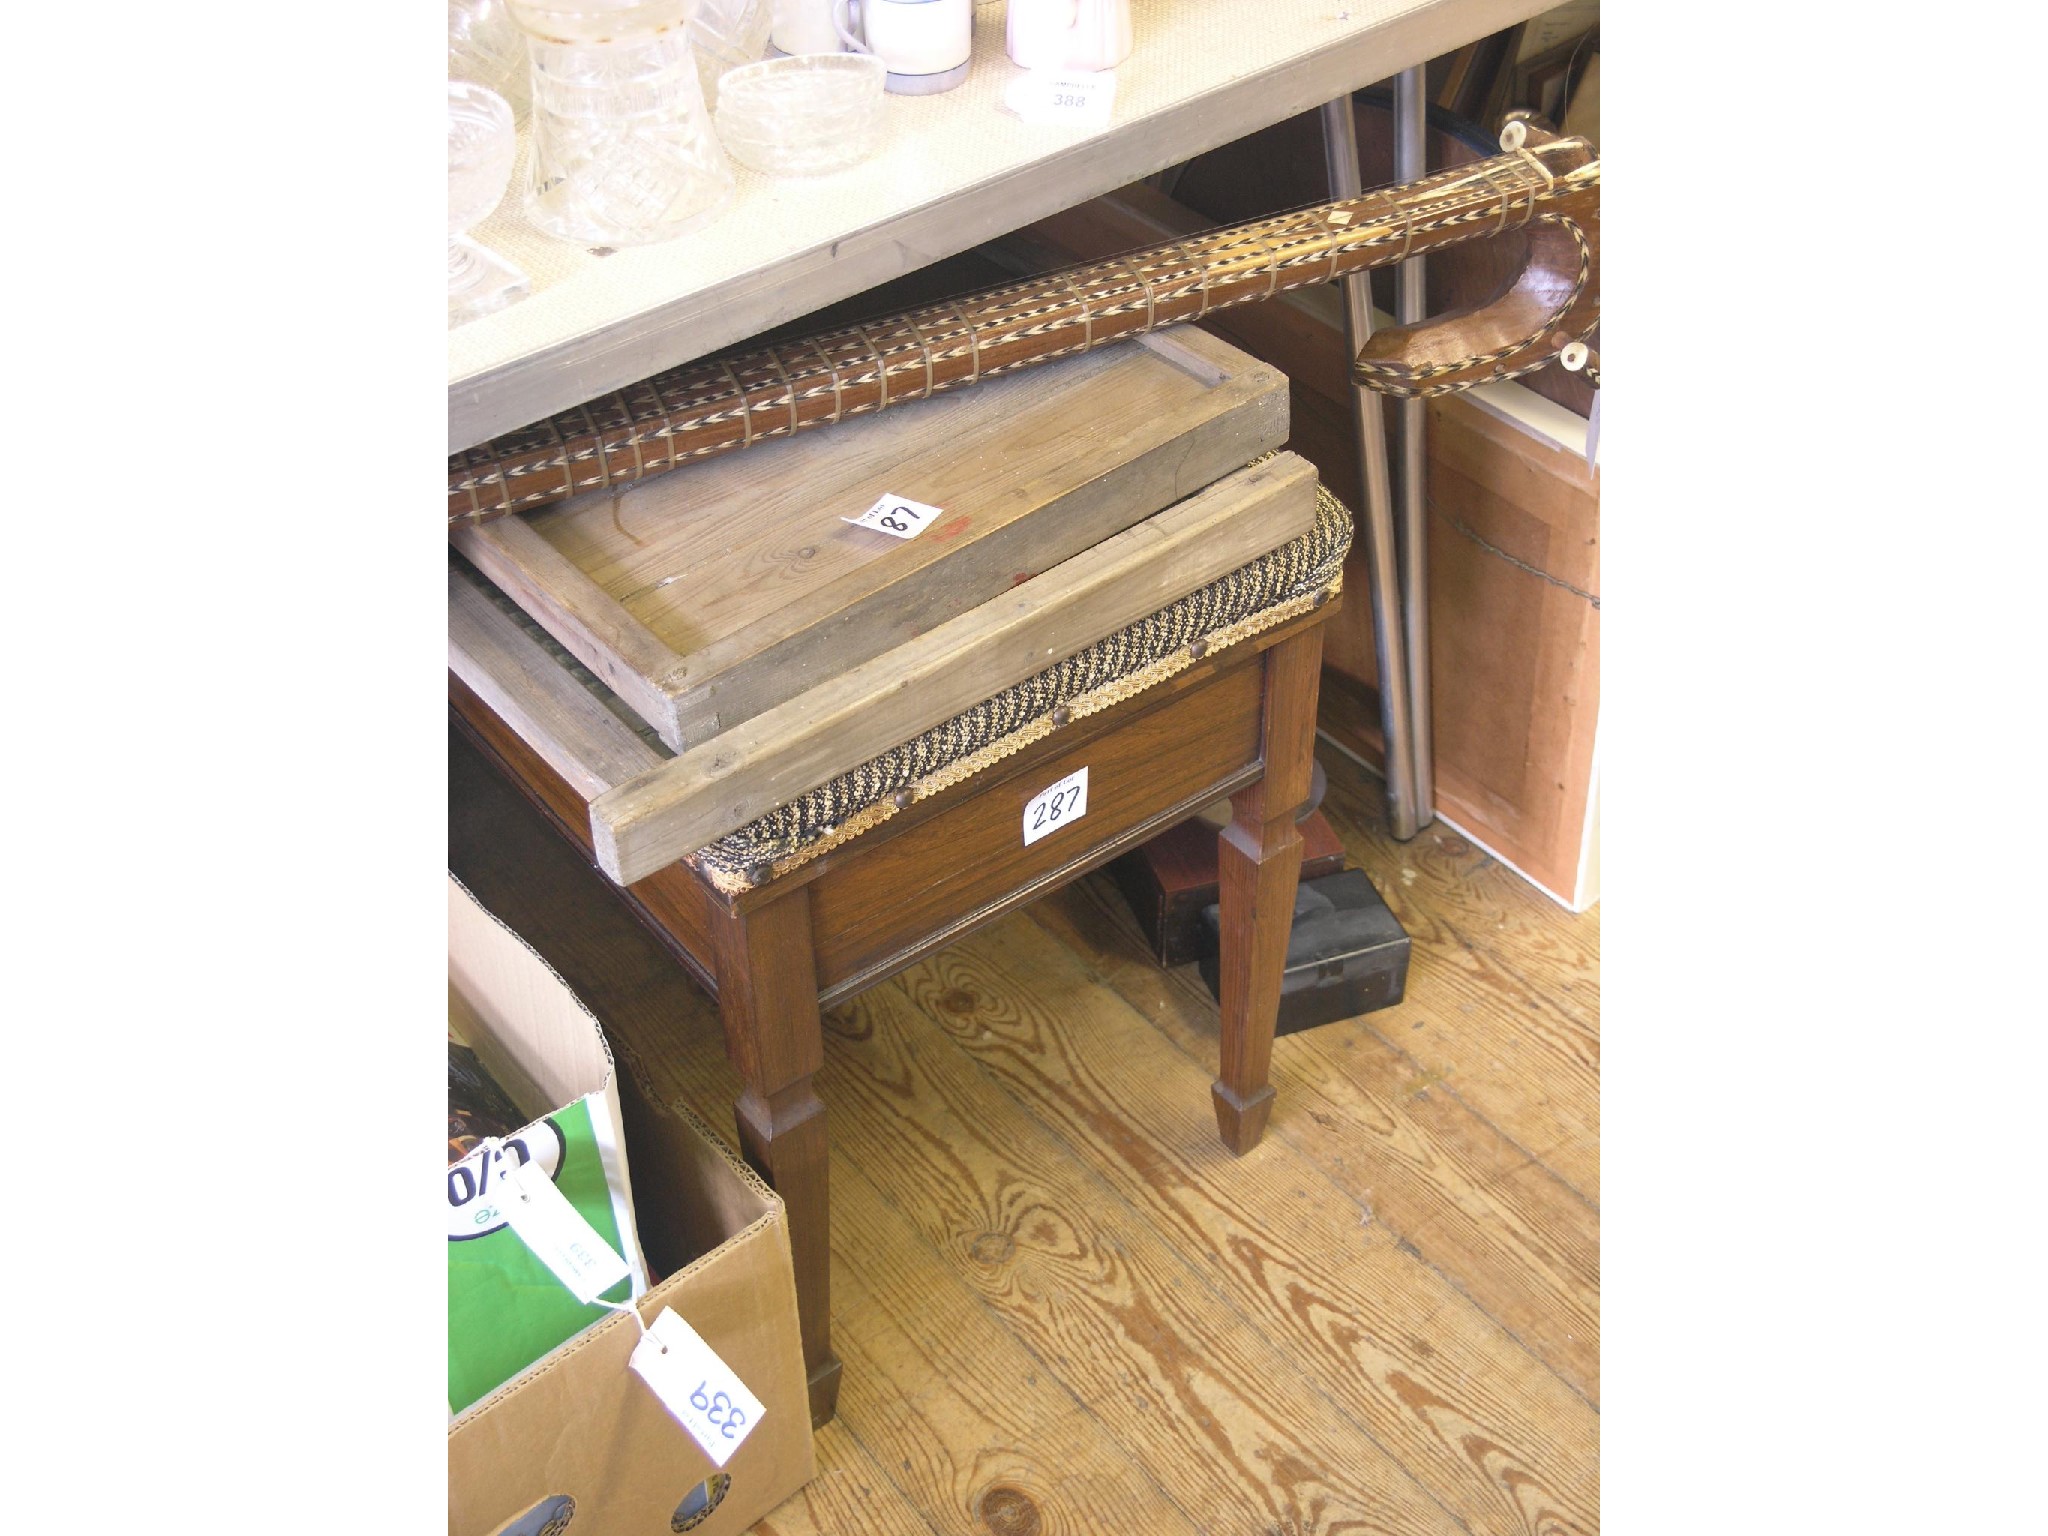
1544, 82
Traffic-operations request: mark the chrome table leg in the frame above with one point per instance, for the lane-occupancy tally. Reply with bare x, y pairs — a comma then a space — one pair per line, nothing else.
1376, 505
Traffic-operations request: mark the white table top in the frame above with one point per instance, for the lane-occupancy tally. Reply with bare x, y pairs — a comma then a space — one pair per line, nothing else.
954, 170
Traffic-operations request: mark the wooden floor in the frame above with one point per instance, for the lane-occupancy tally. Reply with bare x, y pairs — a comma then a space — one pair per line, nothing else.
1063, 1307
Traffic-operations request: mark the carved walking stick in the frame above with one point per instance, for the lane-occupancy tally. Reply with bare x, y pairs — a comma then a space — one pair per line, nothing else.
1550, 305
1550, 189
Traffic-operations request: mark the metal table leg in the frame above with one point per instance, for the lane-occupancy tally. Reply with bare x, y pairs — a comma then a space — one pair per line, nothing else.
1376, 506
1412, 529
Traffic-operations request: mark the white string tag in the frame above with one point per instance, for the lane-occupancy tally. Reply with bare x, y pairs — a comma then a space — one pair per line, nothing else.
696, 1386
557, 1232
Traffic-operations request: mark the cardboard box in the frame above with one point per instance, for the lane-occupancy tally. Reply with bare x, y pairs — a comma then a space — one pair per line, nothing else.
547, 1053
577, 1442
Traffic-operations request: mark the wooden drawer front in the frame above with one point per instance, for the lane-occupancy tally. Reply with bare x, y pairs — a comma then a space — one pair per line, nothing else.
872, 906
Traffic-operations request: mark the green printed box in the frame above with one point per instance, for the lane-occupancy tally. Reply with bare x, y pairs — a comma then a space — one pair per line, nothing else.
506, 1309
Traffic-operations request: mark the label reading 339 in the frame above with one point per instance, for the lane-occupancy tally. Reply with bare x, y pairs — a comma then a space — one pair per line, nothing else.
700, 1389
1055, 806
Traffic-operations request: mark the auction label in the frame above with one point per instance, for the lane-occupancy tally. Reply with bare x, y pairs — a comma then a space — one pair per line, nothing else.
897, 516
1077, 97
559, 1234
1056, 806
696, 1386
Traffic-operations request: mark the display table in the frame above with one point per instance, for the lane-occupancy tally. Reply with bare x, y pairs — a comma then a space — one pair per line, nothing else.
955, 170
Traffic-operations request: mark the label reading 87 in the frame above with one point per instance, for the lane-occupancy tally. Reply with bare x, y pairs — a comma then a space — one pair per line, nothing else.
896, 515
1055, 806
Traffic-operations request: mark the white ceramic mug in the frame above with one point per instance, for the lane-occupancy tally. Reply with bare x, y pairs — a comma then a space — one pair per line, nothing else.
925, 44
1069, 34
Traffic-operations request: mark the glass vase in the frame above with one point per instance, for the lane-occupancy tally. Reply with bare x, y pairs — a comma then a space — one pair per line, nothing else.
623, 151
481, 144
486, 48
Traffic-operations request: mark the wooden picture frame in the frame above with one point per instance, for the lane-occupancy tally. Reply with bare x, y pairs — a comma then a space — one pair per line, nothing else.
1544, 81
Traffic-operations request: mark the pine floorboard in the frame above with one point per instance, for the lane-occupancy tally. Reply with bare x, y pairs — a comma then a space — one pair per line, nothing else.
1064, 1308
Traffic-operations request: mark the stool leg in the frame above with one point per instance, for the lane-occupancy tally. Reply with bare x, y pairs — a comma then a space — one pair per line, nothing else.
1258, 861
768, 996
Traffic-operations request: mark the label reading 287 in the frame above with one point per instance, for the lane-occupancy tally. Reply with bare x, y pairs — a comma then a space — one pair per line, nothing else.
1054, 807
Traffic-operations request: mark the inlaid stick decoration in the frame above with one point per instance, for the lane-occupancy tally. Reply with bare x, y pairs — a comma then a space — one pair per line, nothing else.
716, 405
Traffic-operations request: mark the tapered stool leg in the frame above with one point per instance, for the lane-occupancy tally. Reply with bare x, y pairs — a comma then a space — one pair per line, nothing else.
1258, 863
768, 997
